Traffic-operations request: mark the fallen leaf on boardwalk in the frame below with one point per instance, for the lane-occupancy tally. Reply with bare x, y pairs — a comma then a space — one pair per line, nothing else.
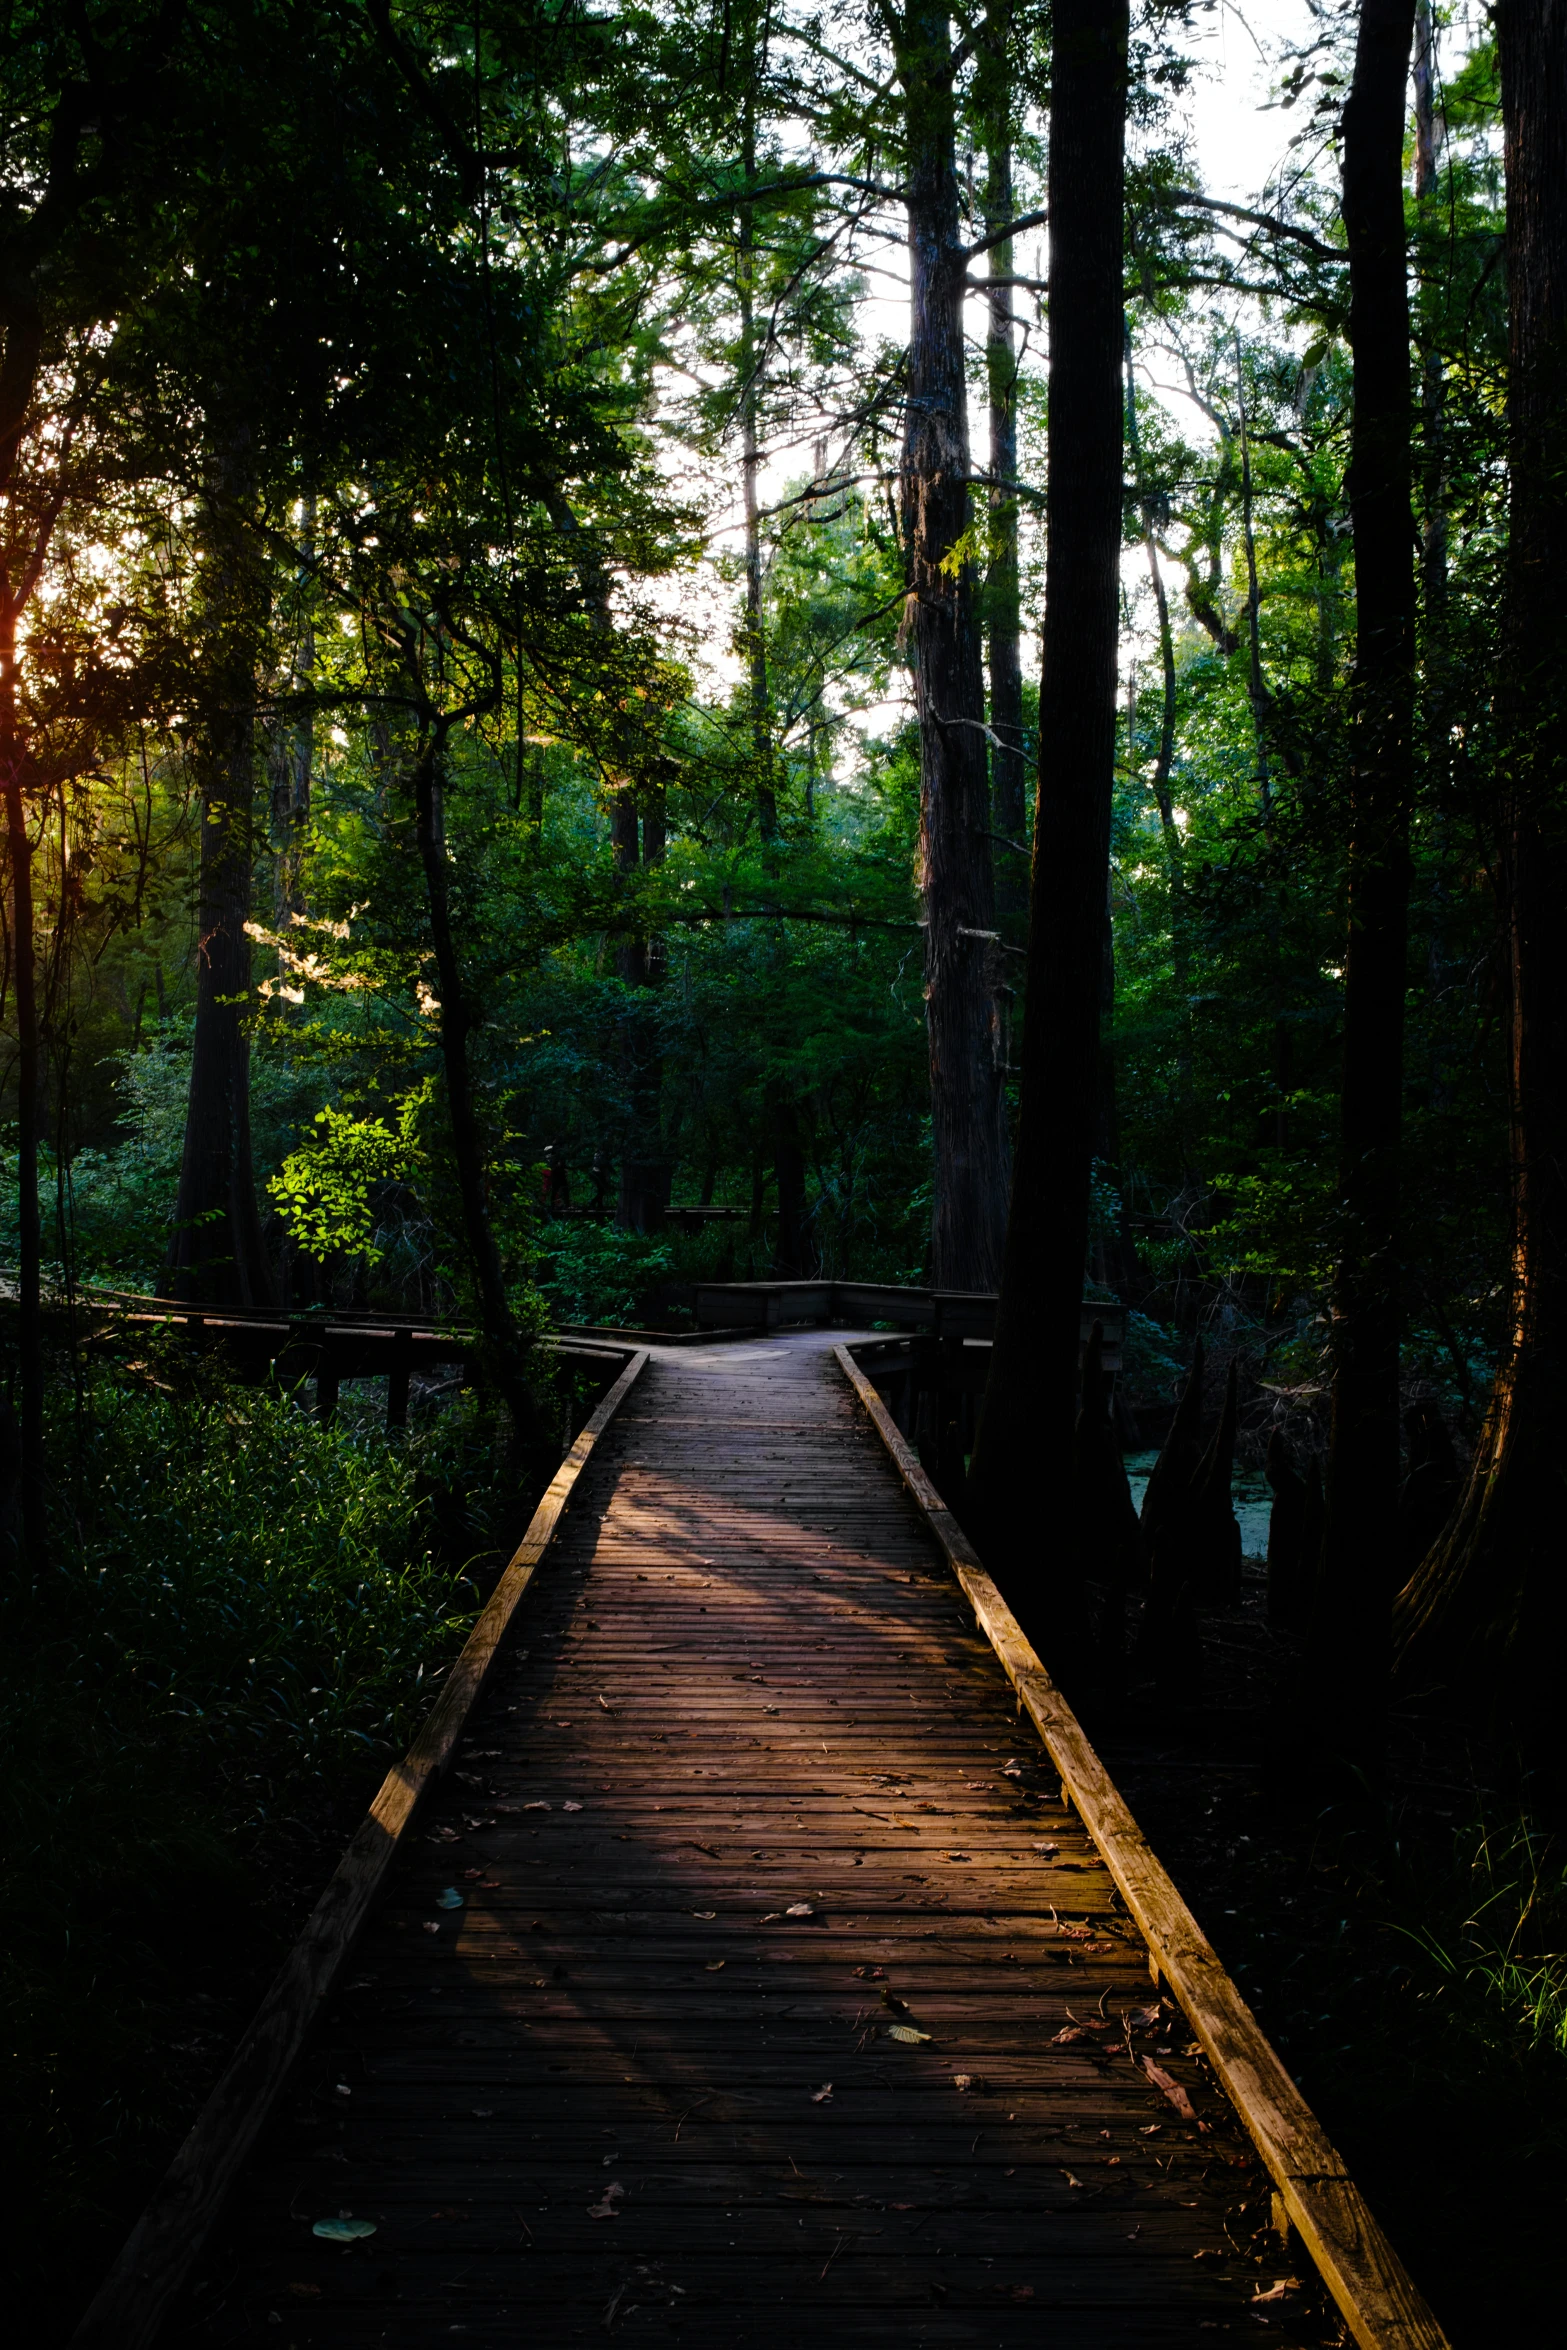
609, 2208
823, 2095
1047, 1849
906, 2033
871, 1974
484, 2113
799, 1909
430, 1926
1171, 2089
469, 1875
449, 1898
536, 1806
1077, 1933
604, 1702
1143, 2019
450, 1835
1071, 2182
962, 2082
1022, 2292
714, 1964
1067, 2034
571, 1807
343, 2231
1278, 2289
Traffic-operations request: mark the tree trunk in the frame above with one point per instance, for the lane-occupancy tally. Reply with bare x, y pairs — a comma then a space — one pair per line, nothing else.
639, 965
458, 1022
1351, 1652
789, 1169
1490, 1597
963, 1003
1164, 761
1432, 230
1022, 1473
293, 749
30, 1357
751, 369
1003, 605
216, 1256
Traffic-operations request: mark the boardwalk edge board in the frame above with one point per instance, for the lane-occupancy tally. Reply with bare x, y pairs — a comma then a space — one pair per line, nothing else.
129, 2307
1379, 2300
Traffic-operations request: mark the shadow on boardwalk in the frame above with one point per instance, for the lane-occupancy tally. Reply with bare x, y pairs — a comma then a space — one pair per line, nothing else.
785, 2004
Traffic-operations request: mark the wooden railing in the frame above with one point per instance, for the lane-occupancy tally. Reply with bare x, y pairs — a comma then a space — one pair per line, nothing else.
327, 1346
944, 1313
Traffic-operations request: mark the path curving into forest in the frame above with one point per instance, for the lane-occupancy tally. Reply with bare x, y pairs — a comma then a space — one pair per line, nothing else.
775, 2010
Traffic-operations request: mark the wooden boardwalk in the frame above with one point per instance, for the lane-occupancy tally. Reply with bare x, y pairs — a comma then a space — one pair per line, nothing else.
785, 2004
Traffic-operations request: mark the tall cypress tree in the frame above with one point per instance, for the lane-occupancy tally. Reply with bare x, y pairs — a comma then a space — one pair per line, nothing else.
1022, 1474
1361, 1545
1489, 1599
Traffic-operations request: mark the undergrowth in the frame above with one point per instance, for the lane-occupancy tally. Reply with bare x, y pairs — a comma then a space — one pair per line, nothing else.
1491, 1939
239, 1624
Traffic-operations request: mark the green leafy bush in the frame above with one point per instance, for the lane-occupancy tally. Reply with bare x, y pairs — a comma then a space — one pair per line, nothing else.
600, 1273
239, 1626
326, 1190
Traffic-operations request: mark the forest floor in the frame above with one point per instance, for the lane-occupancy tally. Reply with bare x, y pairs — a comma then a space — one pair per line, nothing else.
1340, 1924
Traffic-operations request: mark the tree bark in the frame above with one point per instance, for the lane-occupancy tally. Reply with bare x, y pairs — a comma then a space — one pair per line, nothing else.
640, 966
1022, 1485
1431, 229
963, 1002
30, 1357
216, 1256
1003, 604
1159, 784
1490, 1598
459, 1019
293, 750
1351, 1641
751, 370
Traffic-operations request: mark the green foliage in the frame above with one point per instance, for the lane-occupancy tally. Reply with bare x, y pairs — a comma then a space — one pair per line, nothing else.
1496, 1938
599, 1272
243, 1619
326, 1192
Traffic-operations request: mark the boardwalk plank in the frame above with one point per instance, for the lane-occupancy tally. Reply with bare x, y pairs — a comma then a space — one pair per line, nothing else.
747, 1665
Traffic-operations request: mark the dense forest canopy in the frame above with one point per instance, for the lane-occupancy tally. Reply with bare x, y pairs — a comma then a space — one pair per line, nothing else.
527, 541
535, 411
527, 535
462, 508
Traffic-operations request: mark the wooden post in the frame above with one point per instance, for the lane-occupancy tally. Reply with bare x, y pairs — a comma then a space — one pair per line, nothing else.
326, 1387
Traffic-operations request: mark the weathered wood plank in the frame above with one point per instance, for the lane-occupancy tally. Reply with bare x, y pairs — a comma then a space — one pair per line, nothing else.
743, 1725
1380, 2301
129, 2307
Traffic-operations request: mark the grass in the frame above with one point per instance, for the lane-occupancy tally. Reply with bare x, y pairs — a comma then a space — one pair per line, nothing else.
239, 1625
1494, 1953
1412, 1972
